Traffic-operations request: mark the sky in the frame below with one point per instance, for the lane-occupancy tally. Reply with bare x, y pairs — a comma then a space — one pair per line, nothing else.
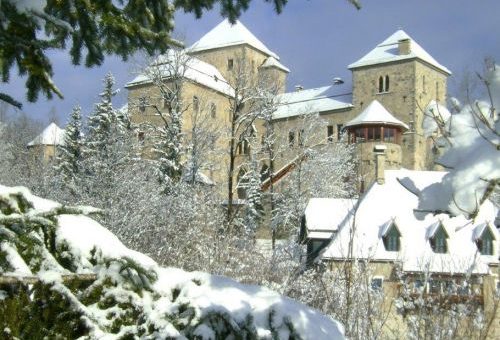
316, 39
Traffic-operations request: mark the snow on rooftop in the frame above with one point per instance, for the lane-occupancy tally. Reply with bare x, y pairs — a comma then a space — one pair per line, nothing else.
51, 135
321, 99
376, 113
225, 34
192, 68
272, 62
325, 215
388, 51
392, 202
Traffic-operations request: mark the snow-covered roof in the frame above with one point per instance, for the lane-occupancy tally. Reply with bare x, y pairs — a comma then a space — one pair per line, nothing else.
376, 113
273, 62
301, 102
392, 202
195, 70
387, 51
51, 135
225, 34
325, 215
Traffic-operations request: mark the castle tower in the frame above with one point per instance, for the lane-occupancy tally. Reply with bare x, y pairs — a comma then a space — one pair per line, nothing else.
226, 45
373, 127
404, 78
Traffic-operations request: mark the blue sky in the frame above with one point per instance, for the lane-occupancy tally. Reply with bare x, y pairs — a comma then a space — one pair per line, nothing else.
316, 39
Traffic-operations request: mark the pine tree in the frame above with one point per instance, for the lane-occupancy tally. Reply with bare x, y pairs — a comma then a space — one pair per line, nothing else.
70, 154
107, 146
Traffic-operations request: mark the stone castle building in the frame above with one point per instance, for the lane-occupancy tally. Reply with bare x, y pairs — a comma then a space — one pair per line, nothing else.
392, 86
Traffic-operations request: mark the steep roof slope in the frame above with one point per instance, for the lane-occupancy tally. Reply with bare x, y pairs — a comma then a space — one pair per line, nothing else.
392, 203
51, 135
190, 67
375, 113
387, 51
225, 34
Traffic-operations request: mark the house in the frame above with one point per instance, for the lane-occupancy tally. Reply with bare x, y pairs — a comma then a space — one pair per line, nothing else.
45, 144
434, 254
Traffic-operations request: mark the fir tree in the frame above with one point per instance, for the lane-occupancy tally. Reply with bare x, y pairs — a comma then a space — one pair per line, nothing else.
107, 144
70, 153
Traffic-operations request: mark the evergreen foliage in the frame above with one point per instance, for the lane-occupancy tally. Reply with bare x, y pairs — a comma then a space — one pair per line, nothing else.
70, 153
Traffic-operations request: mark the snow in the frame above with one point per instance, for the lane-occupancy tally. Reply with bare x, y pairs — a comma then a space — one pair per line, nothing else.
158, 295
225, 34
325, 215
272, 62
217, 293
195, 70
24, 6
376, 113
472, 157
84, 235
314, 100
387, 51
393, 203
434, 113
51, 135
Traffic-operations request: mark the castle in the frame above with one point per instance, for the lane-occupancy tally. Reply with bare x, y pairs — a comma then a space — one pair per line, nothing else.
392, 86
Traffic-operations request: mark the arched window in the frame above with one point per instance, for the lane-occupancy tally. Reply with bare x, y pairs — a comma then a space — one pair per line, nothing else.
380, 84
386, 89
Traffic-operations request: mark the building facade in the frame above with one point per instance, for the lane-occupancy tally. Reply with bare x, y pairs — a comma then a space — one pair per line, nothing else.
398, 74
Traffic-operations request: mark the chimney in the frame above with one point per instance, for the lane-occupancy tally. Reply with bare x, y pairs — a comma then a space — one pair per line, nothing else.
404, 46
298, 88
338, 81
379, 151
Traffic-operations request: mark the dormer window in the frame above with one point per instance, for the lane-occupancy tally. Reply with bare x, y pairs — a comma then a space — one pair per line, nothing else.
392, 238
439, 239
485, 241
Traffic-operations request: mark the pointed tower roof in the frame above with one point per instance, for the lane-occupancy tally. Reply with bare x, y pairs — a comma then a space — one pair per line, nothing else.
225, 34
375, 113
388, 51
52, 135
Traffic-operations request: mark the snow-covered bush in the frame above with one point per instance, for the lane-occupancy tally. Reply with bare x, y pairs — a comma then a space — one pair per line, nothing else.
471, 139
64, 275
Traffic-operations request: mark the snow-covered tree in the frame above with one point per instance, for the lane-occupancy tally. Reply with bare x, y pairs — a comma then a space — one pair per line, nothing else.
317, 170
70, 155
471, 139
63, 275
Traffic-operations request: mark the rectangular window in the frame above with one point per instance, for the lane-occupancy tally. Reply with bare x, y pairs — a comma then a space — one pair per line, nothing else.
340, 127
329, 133
230, 64
142, 104
291, 138
418, 286
213, 110
196, 104
389, 135
301, 137
376, 283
